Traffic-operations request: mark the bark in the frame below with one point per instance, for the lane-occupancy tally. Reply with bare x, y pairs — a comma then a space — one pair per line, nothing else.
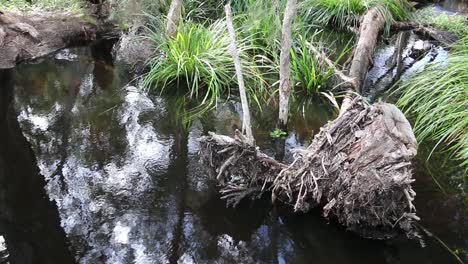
173, 18
246, 124
29, 38
357, 169
285, 63
372, 23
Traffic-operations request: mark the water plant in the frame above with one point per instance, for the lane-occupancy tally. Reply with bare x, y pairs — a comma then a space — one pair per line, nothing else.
437, 98
343, 13
198, 57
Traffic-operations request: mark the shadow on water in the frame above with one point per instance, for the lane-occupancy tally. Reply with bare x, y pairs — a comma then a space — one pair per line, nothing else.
122, 168
29, 222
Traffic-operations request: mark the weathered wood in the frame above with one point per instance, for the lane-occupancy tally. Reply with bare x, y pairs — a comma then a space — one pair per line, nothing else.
173, 18
246, 125
285, 63
29, 38
372, 23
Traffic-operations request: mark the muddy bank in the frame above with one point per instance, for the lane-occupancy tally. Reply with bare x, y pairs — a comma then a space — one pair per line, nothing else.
26, 38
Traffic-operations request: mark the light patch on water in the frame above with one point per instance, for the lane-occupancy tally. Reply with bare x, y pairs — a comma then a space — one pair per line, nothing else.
440, 58
66, 54
3, 251
186, 259
141, 257
2, 244
87, 85
120, 233
38, 122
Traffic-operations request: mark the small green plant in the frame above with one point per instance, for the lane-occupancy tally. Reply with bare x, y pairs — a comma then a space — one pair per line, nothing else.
437, 99
278, 133
443, 21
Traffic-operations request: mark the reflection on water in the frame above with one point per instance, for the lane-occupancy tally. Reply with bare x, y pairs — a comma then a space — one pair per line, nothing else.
123, 170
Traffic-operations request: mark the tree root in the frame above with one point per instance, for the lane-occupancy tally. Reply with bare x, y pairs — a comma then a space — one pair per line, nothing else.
358, 169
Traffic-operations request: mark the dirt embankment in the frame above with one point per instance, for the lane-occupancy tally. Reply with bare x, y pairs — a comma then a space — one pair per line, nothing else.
25, 38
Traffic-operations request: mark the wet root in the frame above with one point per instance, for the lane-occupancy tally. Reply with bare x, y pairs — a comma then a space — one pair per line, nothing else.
357, 169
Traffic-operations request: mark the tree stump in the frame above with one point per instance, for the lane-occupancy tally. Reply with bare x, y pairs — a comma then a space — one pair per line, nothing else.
357, 169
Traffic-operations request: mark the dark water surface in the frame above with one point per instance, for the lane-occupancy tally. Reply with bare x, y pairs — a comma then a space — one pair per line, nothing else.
95, 171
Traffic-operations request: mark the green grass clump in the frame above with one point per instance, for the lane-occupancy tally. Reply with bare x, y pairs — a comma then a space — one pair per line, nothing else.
127, 12
442, 21
198, 58
344, 13
309, 74
41, 6
437, 98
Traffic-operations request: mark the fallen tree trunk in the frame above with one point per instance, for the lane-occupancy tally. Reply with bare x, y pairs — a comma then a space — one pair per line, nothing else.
28, 38
372, 23
358, 169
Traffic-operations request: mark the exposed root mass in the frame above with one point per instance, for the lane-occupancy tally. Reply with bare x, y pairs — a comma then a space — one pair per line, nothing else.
358, 169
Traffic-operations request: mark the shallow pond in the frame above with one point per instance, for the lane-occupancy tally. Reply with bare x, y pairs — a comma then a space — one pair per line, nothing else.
123, 184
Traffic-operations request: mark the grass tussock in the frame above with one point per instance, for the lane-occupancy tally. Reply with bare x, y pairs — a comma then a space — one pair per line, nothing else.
457, 24
199, 58
41, 6
261, 21
343, 13
437, 98
311, 75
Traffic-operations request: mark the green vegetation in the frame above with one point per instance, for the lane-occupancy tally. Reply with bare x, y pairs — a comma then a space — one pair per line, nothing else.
343, 13
40, 6
311, 75
127, 11
198, 57
261, 20
278, 133
442, 21
437, 98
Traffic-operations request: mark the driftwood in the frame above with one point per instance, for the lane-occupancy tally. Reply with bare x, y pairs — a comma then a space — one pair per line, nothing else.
29, 38
358, 169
